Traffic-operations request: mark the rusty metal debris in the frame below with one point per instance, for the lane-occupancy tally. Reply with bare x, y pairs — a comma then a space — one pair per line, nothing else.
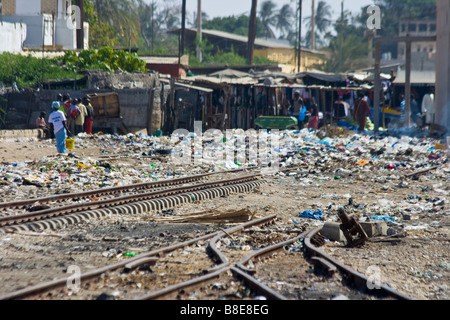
318, 240
352, 230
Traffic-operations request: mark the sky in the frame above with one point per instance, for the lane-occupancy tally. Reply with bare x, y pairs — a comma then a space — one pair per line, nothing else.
225, 8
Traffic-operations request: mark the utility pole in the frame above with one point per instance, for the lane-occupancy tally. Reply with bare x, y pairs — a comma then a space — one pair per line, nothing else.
199, 29
313, 26
80, 31
153, 24
252, 32
183, 26
300, 4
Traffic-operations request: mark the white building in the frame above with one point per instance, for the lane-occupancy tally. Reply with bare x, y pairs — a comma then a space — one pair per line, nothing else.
49, 23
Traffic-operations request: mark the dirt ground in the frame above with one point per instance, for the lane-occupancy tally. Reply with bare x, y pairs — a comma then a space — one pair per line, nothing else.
417, 264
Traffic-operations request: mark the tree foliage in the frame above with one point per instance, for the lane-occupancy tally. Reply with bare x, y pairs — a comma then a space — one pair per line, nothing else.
105, 59
100, 33
27, 71
233, 24
348, 49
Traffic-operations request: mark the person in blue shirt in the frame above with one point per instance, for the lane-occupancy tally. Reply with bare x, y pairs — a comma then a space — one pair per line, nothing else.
57, 122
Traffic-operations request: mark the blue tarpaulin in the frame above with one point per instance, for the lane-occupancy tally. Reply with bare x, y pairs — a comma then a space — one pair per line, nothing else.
318, 215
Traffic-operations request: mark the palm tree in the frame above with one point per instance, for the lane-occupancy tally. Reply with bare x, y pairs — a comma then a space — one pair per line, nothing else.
284, 20
267, 16
146, 26
322, 20
252, 32
121, 15
346, 53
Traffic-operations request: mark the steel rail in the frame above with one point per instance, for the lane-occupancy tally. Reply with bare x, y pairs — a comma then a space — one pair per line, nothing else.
265, 252
54, 212
358, 279
213, 272
112, 190
101, 192
224, 266
36, 289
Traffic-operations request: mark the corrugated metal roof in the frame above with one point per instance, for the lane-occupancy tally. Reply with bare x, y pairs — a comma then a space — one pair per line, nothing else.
417, 77
164, 60
258, 42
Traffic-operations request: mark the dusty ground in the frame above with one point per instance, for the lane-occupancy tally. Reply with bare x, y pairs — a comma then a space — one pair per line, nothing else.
417, 265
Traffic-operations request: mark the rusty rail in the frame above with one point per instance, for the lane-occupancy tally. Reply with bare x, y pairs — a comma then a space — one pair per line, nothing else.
359, 279
112, 190
212, 272
134, 262
60, 211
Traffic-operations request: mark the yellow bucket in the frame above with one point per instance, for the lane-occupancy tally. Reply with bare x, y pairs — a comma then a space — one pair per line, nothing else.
70, 143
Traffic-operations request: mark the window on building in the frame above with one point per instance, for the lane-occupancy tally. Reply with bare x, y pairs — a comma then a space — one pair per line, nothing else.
403, 28
423, 27
433, 27
412, 27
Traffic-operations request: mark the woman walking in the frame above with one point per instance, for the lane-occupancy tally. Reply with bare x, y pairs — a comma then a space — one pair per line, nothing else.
57, 121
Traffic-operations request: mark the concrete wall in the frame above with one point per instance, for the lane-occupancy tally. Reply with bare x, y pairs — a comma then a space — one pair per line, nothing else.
12, 36
64, 36
443, 63
139, 109
34, 29
28, 7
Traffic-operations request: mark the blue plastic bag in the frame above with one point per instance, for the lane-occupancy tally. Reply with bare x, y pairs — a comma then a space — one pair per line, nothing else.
318, 215
302, 114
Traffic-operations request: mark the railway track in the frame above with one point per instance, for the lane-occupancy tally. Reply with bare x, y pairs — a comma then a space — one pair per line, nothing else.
223, 265
167, 195
36, 204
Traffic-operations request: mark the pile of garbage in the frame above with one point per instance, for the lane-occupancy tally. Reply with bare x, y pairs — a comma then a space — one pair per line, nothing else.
129, 159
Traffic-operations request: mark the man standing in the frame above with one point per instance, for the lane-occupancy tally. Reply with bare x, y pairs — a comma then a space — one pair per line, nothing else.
361, 111
299, 110
57, 121
298, 104
90, 115
80, 118
428, 107
415, 112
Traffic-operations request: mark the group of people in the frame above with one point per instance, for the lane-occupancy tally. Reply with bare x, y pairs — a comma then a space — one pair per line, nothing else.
68, 117
300, 112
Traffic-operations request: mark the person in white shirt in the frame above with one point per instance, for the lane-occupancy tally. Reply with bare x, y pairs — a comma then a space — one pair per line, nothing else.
57, 121
428, 106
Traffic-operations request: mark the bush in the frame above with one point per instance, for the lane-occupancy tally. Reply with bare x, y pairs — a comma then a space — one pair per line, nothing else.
105, 59
26, 71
